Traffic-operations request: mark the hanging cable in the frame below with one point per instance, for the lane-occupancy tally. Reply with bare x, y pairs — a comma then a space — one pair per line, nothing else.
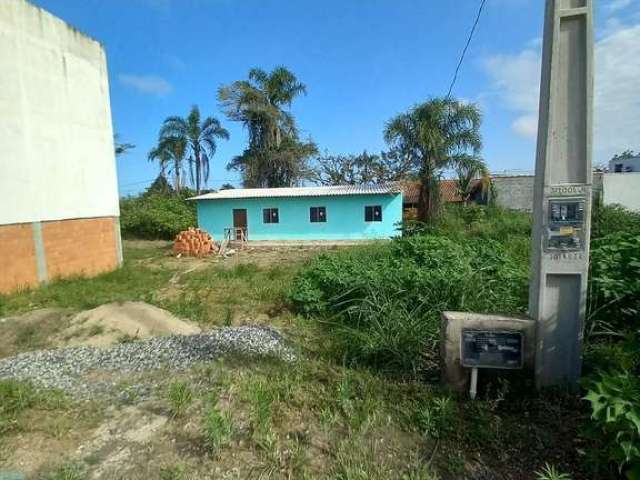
466, 47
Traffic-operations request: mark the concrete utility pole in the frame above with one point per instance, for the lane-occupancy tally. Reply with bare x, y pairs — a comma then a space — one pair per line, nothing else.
562, 198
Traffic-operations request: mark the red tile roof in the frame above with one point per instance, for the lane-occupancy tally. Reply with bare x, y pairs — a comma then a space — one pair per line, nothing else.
448, 190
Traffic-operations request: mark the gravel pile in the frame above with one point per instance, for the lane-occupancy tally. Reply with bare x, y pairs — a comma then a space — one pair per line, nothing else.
63, 368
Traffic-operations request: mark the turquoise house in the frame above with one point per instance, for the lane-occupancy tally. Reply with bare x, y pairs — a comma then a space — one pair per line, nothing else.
344, 212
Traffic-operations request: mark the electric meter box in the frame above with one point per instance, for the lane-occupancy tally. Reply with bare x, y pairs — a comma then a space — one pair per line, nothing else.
492, 349
565, 225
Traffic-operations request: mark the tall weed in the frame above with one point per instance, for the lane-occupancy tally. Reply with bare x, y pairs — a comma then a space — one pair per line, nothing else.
382, 304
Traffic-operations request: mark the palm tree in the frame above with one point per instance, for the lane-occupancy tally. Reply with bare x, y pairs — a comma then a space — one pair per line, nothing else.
435, 135
275, 157
260, 102
468, 169
121, 148
200, 141
170, 153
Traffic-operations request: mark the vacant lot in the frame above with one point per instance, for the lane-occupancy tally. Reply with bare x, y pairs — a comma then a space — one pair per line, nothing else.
309, 415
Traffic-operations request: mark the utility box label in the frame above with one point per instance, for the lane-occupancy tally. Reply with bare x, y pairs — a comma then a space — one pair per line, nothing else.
492, 349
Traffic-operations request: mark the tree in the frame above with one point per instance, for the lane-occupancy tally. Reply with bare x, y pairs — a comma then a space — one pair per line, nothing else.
227, 186
170, 154
200, 141
121, 148
627, 154
469, 169
359, 169
159, 186
438, 134
275, 157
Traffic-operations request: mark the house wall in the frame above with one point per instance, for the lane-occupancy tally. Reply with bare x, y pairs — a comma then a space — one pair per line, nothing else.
58, 162
628, 164
622, 189
517, 192
345, 217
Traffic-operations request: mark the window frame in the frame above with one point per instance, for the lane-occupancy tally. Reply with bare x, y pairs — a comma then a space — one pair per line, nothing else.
268, 216
318, 218
372, 209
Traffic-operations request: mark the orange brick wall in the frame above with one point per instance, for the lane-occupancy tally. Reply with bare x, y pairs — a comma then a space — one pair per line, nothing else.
83, 247
17, 258
79, 247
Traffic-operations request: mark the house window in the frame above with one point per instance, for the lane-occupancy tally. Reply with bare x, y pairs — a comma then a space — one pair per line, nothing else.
373, 213
270, 215
318, 214
618, 168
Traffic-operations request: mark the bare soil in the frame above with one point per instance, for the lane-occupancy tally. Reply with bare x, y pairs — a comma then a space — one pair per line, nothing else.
111, 323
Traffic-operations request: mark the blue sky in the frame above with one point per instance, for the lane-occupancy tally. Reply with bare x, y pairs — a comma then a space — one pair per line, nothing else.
362, 60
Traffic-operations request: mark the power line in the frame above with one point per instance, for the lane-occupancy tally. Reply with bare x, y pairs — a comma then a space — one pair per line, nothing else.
464, 51
138, 183
131, 184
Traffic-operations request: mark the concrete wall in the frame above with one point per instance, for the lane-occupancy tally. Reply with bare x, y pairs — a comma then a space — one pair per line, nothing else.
623, 189
517, 192
59, 211
345, 217
57, 157
514, 192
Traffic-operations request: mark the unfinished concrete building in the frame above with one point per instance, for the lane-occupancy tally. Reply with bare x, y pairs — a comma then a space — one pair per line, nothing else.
59, 213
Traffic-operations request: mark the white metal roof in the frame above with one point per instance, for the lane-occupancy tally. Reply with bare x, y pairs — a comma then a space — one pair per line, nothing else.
331, 191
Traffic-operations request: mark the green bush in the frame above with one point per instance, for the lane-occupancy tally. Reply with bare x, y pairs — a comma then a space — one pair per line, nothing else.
156, 216
614, 300
610, 219
383, 302
615, 413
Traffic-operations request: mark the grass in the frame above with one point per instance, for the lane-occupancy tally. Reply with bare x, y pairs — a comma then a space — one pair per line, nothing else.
173, 472
319, 417
134, 281
549, 472
71, 471
218, 426
179, 397
17, 398
214, 295
218, 295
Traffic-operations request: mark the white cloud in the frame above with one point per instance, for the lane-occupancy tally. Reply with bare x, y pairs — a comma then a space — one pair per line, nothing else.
516, 78
617, 92
516, 82
147, 84
615, 5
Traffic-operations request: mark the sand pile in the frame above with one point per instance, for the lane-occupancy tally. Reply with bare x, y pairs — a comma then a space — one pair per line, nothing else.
117, 322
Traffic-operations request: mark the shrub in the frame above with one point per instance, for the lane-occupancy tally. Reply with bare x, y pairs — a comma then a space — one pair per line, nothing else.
615, 413
614, 301
611, 219
156, 216
383, 302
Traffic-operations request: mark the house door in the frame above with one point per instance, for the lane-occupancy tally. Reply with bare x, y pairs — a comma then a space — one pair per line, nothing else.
240, 222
